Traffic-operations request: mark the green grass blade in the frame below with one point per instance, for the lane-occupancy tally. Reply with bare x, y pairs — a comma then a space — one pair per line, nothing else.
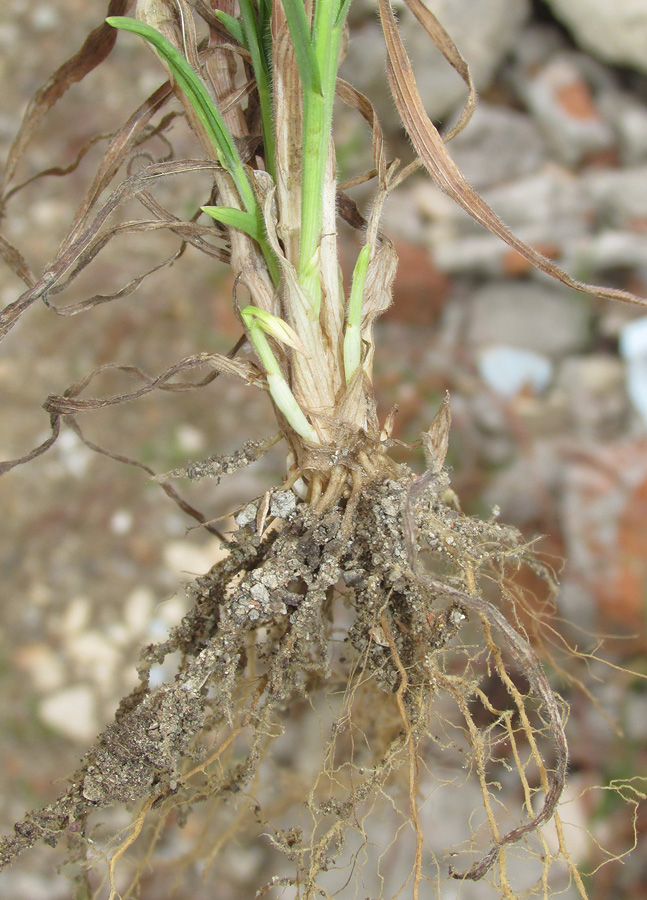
236, 218
197, 94
343, 12
278, 386
254, 42
273, 325
233, 26
308, 66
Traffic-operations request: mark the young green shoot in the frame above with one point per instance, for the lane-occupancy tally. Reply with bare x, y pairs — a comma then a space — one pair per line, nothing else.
258, 323
353, 333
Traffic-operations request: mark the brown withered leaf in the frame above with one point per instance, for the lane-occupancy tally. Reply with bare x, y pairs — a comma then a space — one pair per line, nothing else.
16, 262
73, 254
288, 114
451, 53
356, 100
129, 136
168, 489
63, 408
70, 403
380, 275
97, 46
431, 149
435, 442
378, 294
59, 171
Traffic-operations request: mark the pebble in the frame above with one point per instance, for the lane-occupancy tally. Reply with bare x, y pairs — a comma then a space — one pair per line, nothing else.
42, 664
71, 712
615, 31
94, 657
619, 196
138, 609
560, 100
283, 504
183, 558
76, 616
508, 370
627, 116
498, 145
597, 400
246, 516
633, 347
547, 209
121, 521
530, 315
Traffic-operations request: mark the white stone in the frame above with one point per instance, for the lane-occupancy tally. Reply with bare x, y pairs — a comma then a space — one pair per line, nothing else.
633, 347
530, 315
190, 439
138, 609
618, 195
594, 386
633, 339
613, 30
94, 656
507, 370
184, 558
71, 712
73, 455
571, 137
43, 666
171, 611
497, 146
76, 616
121, 521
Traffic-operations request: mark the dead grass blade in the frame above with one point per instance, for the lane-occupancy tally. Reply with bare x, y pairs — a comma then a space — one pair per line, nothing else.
432, 151
72, 253
67, 406
70, 403
16, 262
97, 46
356, 100
58, 171
130, 135
451, 53
168, 489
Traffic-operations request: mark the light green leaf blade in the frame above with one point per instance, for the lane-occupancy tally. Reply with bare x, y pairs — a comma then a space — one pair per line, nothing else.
193, 88
233, 26
297, 20
236, 218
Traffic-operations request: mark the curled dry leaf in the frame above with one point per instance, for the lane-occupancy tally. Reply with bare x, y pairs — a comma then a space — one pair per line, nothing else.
69, 405
97, 46
451, 53
356, 100
78, 253
431, 149
435, 442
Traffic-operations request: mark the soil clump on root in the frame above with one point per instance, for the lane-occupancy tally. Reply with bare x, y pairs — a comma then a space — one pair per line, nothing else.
304, 606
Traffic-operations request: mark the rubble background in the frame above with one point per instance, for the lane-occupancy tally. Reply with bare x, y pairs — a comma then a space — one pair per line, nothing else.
549, 388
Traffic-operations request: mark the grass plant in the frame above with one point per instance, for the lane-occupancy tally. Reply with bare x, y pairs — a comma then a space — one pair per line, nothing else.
336, 547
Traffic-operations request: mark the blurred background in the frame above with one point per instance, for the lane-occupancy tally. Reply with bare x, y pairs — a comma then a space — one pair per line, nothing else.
549, 388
